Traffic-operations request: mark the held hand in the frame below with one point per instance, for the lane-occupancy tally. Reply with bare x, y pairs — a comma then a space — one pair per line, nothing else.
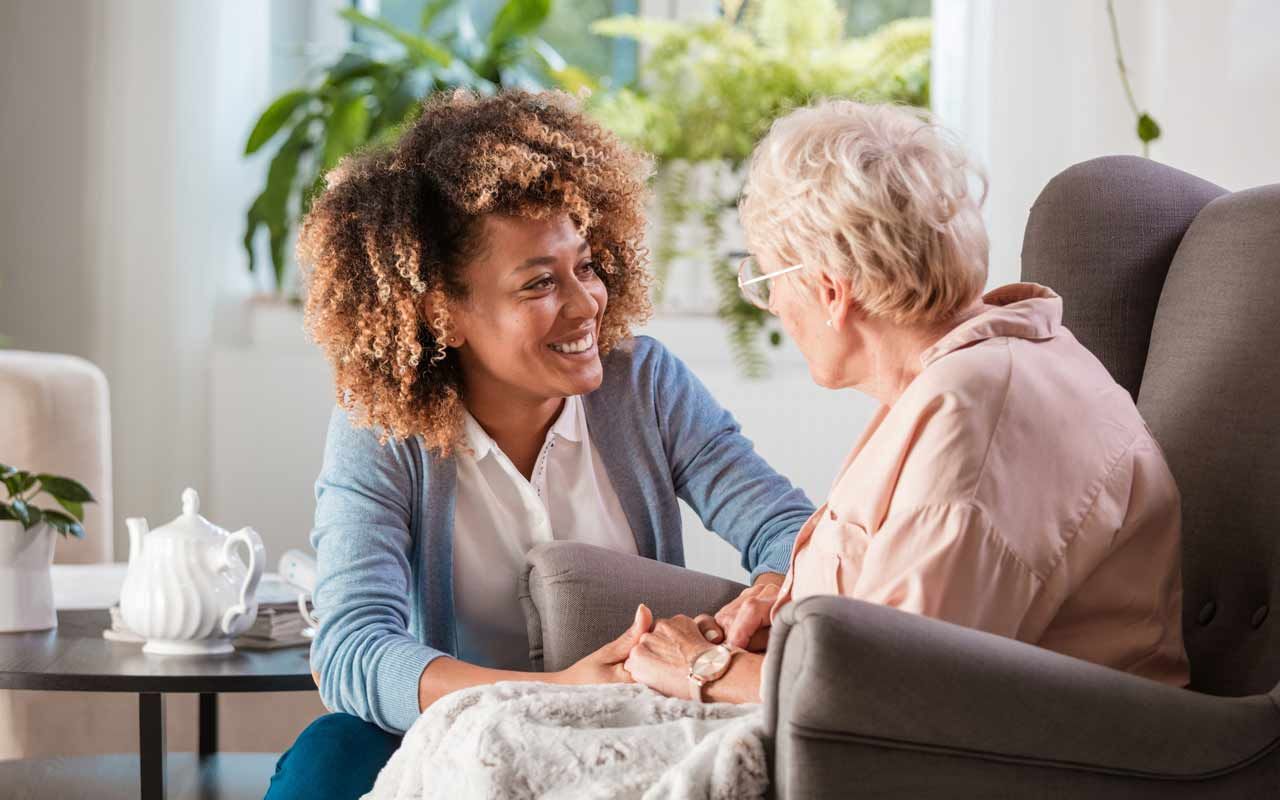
661, 659
605, 664
745, 621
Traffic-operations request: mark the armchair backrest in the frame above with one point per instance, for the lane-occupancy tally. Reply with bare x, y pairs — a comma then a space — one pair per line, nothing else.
1174, 284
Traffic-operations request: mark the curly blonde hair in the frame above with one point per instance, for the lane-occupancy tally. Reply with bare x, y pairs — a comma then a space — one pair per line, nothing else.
879, 195
397, 225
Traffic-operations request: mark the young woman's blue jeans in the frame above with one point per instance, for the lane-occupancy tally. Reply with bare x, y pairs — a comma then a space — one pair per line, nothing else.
338, 756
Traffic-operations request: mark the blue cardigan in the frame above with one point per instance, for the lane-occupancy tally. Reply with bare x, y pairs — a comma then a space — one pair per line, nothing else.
384, 522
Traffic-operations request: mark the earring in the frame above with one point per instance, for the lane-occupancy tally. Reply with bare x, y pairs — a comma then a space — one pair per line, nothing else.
830, 324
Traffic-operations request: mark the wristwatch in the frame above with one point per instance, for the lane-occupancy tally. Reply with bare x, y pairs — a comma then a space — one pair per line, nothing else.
708, 667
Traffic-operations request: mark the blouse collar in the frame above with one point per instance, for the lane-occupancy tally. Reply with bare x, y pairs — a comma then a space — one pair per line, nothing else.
1022, 310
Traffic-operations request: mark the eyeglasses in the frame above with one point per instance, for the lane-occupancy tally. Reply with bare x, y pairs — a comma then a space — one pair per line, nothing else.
755, 283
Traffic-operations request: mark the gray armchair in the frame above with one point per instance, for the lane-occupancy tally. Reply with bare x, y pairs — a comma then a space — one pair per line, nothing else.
1174, 284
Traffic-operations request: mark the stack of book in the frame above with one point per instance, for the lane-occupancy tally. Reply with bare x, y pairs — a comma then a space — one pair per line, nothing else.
277, 625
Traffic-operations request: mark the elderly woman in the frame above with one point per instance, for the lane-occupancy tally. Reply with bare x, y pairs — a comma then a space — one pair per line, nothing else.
1006, 482
474, 287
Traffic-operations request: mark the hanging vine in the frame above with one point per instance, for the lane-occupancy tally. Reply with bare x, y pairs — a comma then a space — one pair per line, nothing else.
1148, 129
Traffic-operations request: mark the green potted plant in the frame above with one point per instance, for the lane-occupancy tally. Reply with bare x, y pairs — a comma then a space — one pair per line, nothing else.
710, 89
369, 93
26, 543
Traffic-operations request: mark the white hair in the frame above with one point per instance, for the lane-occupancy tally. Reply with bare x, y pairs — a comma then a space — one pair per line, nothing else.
877, 195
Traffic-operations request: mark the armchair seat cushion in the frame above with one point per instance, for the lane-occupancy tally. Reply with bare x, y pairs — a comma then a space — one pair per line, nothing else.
871, 678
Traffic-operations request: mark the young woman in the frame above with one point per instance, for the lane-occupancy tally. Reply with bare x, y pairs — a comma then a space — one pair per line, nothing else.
474, 288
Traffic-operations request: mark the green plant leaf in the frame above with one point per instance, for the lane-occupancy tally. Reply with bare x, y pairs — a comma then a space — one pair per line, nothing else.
5, 513
64, 524
25, 481
18, 481
551, 58
350, 67
311, 191
274, 118
254, 219
1148, 130
271, 207
419, 48
65, 489
515, 19
346, 128
395, 104
6, 471
574, 80
12, 482
430, 11
75, 509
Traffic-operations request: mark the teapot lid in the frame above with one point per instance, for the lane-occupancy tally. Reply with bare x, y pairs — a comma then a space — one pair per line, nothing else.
190, 522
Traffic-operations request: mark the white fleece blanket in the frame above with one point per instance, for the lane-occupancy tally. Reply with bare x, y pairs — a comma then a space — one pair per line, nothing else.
518, 740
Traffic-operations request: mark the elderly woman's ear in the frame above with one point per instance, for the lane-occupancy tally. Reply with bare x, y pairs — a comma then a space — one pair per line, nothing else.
835, 296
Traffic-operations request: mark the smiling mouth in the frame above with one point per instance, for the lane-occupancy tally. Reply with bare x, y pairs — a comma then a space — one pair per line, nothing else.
581, 345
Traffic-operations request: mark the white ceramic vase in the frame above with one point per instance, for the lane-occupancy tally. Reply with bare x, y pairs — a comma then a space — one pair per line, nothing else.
26, 586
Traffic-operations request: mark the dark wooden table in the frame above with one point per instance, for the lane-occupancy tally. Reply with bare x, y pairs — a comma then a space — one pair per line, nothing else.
75, 658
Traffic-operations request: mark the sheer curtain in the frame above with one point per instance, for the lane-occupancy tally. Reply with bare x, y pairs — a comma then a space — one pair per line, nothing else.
1032, 88
175, 89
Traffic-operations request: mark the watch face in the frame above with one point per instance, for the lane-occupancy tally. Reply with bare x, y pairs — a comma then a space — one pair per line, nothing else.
711, 663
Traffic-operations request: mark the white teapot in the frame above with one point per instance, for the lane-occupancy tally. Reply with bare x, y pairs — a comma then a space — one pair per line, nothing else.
186, 591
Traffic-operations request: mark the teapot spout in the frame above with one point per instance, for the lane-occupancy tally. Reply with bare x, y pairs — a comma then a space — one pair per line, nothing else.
137, 530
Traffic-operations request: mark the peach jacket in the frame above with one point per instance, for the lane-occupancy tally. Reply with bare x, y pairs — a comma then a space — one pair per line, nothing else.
1012, 488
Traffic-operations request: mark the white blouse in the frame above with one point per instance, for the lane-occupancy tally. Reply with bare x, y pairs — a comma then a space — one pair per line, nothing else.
499, 515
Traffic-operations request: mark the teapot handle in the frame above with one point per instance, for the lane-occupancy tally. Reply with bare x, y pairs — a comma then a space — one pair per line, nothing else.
257, 557
307, 617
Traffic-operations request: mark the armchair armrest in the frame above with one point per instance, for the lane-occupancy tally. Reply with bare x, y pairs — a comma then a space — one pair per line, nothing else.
912, 707
576, 597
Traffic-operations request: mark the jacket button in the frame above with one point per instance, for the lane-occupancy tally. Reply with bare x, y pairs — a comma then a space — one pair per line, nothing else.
1206, 613
1259, 616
